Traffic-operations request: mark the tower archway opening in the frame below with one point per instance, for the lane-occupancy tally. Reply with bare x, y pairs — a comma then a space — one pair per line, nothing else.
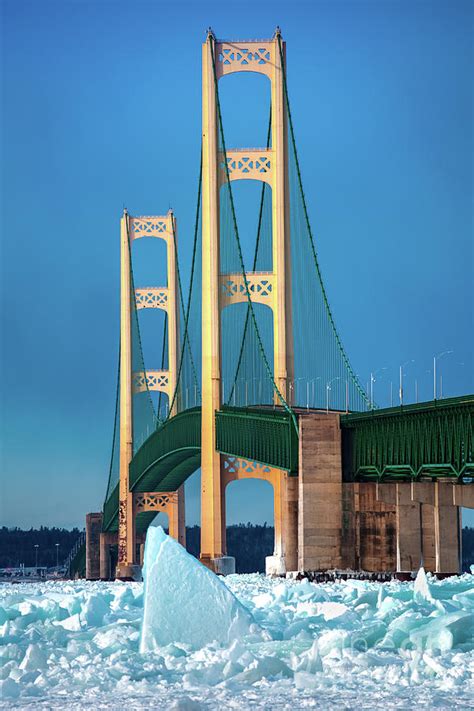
250, 523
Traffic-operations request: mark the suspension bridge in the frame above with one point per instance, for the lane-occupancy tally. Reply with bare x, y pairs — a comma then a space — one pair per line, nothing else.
254, 382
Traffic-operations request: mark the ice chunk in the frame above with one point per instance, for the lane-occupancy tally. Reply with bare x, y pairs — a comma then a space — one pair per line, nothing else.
185, 704
332, 610
310, 661
184, 601
445, 631
93, 611
9, 689
421, 589
34, 658
73, 623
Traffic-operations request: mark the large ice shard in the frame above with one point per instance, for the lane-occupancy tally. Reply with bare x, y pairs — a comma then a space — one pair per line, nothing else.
184, 601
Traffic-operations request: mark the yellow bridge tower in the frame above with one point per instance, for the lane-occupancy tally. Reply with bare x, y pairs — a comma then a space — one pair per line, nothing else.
220, 58
131, 383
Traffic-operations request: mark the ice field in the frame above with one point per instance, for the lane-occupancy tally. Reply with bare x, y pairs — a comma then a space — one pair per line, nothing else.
294, 645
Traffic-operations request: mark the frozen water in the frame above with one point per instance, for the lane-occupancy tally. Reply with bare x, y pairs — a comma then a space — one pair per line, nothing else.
348, 645
185, 602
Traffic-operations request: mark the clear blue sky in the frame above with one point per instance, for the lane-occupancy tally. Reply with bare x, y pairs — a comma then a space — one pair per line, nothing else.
101, 109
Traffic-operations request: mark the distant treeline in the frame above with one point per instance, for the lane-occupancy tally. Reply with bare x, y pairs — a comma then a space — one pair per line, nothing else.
18, 547
248, 543
467, 548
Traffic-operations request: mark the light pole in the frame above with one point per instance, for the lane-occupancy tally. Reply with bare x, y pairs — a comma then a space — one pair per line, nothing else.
295, 392
400, 390
328, 389
313, 381
36, 555
57, 555
372, 381
436, 358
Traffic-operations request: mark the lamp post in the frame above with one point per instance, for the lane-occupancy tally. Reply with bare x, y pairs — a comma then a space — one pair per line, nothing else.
313, 381
328, 389
436, 358
295, 391
36, 555
372, 381
57, 555
400, 390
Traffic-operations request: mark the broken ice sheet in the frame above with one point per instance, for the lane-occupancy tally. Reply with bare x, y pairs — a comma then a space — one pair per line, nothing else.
186, 602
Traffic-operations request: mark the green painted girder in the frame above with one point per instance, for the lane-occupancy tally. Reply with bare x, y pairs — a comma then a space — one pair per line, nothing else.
263, 435
173, 452
427, 440
164, 461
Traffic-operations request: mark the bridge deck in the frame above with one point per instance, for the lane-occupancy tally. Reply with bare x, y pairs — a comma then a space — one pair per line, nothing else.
432, 439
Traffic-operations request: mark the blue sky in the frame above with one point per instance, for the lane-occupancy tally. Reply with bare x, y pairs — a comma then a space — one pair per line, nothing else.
101, 109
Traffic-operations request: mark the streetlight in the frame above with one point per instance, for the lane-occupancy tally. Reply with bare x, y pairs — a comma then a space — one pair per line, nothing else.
295, 391
57, 555
328, 388
313, 381
435, 359
400, 390
372, 381
36, 556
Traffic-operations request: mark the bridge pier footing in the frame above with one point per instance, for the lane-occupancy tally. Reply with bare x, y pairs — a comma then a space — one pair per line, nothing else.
320, 492
93, 532
106, 540
447, 526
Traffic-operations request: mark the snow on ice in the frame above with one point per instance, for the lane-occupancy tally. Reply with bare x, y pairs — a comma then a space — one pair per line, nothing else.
268, 644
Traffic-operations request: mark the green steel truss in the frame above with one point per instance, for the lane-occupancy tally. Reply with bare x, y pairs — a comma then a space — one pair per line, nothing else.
173, 452
431, 439
264, 435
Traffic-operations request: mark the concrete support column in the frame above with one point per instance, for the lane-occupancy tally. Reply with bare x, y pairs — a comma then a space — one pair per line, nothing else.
349, 543
285, 499
428, 537
106, 540
320, 492
291, 526
408, 521
447, 526
441, 525
276, 564
93, 531
377, 527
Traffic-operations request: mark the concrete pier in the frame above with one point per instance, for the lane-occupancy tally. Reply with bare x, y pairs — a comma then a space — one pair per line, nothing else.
93, 531
319, 492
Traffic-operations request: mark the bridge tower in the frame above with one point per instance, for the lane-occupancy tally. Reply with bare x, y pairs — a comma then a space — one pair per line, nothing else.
165, 298
220, 58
